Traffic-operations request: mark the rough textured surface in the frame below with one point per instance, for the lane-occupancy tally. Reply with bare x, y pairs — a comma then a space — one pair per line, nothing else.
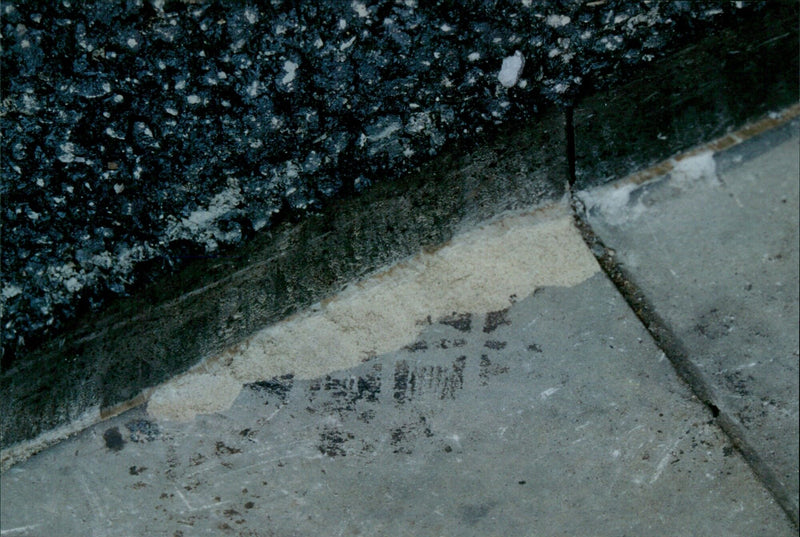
144, 134
714, 248
556, 416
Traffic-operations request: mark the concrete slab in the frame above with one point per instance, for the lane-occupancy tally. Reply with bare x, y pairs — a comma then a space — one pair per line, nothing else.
713, 247
554, 414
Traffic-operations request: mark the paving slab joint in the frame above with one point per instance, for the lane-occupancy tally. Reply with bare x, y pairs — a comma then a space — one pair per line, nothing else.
678, 356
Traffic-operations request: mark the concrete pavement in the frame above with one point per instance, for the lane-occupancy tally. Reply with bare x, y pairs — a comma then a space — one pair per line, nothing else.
713, 246
538, 405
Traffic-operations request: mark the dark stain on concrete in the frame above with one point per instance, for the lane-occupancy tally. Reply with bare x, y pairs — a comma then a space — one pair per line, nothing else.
447, 343
417, 346
142, 430
404, 436
136, 470
277, 386
490, 369
221, 449
423, 380
400, 381
533, 347
459, 321
332, 441
113, 439
344, 394
494, 319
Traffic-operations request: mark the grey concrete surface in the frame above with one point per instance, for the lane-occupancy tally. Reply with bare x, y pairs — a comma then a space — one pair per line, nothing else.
556, 416
713, 246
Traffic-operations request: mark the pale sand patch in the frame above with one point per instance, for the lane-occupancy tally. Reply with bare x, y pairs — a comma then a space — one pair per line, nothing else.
476, 272
197, 393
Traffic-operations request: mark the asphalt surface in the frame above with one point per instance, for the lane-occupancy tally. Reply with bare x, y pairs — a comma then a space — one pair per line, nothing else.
177, 130
543, 405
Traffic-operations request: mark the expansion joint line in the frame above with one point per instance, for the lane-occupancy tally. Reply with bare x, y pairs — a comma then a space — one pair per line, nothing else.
678, 356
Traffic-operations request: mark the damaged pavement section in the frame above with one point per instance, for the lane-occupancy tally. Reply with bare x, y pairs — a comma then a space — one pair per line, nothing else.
235, 146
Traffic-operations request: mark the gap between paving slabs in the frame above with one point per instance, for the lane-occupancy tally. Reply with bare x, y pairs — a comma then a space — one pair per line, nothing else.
666, 339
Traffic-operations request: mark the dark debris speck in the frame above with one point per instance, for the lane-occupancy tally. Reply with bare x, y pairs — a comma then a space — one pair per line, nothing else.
113, 439
142, 430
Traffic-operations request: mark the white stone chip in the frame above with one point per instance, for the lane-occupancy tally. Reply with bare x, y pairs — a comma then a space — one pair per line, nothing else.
511, 70
557, 21
290, 68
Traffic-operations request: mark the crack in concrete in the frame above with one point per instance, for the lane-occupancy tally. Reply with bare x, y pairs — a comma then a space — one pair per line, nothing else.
663, 336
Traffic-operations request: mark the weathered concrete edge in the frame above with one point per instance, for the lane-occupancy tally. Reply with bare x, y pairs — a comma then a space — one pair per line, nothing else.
107, 363
660, 330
